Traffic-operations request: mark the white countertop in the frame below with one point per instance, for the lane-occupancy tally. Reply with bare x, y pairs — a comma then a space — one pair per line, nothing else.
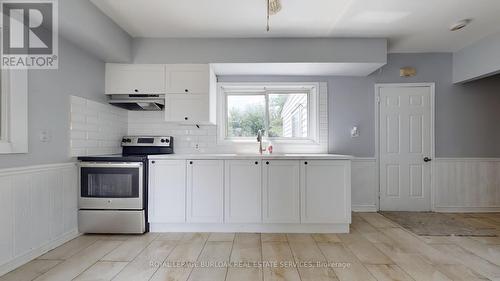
297, 156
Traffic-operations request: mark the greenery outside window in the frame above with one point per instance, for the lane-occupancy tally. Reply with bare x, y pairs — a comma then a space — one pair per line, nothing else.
283, 112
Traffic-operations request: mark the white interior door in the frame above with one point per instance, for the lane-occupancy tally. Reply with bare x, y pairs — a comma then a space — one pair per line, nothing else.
405, 146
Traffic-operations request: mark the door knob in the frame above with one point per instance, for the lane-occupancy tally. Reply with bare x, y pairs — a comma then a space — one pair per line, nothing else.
427, 159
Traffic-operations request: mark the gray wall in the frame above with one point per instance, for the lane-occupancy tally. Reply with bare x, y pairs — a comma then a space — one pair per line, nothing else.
79, 74
86, 26
263, 50
467, 116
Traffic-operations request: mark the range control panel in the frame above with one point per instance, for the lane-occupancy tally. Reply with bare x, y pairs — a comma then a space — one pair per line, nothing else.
147, 141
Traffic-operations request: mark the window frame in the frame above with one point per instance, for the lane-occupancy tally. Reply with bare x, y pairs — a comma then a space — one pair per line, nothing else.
4, 108
14, 95
266, 89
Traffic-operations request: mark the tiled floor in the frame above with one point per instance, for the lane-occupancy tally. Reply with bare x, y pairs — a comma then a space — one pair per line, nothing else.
376, 249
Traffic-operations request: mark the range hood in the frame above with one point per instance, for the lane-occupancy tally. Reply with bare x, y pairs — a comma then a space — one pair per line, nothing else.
139, 102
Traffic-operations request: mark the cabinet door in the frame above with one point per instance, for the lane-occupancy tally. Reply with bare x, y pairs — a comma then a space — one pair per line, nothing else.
135, 78
243, 191
281, 191
188, 78
187, 108
205, 185
325, 191
167, 191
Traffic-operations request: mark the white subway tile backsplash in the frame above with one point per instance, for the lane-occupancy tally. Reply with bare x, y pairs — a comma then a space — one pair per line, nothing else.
78, 135
96, 128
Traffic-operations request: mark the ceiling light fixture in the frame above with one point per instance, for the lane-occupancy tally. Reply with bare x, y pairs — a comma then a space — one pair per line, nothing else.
273, 7
460, 24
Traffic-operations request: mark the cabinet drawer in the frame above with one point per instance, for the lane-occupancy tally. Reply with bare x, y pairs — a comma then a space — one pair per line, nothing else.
205, 185
188, 79
135, 78
167, 191
280, 191
243, 191
325, 191
187, 108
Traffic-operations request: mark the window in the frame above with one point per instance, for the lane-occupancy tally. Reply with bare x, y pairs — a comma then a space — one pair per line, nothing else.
3, 106
283, 112
13, 111
3, 111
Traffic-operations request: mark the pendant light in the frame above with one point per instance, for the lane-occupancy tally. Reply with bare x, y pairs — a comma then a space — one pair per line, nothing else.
273, 7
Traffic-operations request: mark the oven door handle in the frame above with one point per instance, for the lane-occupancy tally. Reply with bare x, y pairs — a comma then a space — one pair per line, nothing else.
109, 165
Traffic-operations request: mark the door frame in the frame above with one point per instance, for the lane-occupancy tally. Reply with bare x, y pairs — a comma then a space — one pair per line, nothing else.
432, 87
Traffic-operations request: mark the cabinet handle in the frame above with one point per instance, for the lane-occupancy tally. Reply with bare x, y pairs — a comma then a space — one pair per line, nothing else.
256, 163
186, 90
305, 163
267, 162
190, 162
186, 118
136, 90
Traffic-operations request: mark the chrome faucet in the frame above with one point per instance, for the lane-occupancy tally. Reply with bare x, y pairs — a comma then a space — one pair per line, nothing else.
259, 139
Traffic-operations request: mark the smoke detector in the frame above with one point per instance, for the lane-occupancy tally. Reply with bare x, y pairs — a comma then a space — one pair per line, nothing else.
460, 24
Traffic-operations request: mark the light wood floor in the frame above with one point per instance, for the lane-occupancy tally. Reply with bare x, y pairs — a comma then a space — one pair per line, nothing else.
376, 249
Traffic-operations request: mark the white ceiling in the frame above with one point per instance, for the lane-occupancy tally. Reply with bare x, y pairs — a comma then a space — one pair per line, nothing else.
410, 25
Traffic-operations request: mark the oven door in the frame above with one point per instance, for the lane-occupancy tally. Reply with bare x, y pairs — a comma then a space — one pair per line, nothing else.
116, 186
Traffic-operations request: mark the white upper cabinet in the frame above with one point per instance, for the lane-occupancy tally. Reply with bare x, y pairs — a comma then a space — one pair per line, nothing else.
167, 191
191, 94
243, 194
205, 187
135, 78
188, 78
187, 108
281, 191
325, 191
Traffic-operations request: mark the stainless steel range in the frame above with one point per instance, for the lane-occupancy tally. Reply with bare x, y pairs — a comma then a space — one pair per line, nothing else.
113, 188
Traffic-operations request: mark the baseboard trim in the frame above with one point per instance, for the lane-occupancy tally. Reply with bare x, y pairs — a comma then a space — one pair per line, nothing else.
262, 228
467, 209
364, 208
31, 255
467, 159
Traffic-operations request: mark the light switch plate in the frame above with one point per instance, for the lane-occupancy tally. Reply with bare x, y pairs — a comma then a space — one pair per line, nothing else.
354, 132
45, 136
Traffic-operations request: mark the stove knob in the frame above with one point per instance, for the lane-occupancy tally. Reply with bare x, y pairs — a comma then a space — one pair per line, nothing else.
167, 140
124, 140
129, 140
162, 140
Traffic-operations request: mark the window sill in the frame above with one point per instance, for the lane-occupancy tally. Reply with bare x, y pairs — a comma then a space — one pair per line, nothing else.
10, 148
266, 141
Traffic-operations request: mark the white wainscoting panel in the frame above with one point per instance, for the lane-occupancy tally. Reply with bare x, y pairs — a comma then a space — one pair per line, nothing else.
364, 185
38, 211
96, 128
466, 184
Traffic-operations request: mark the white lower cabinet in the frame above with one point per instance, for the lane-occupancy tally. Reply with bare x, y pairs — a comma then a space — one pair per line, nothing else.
167, 191
281, 191
325, 191
267, 194
205, 186
243, 191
